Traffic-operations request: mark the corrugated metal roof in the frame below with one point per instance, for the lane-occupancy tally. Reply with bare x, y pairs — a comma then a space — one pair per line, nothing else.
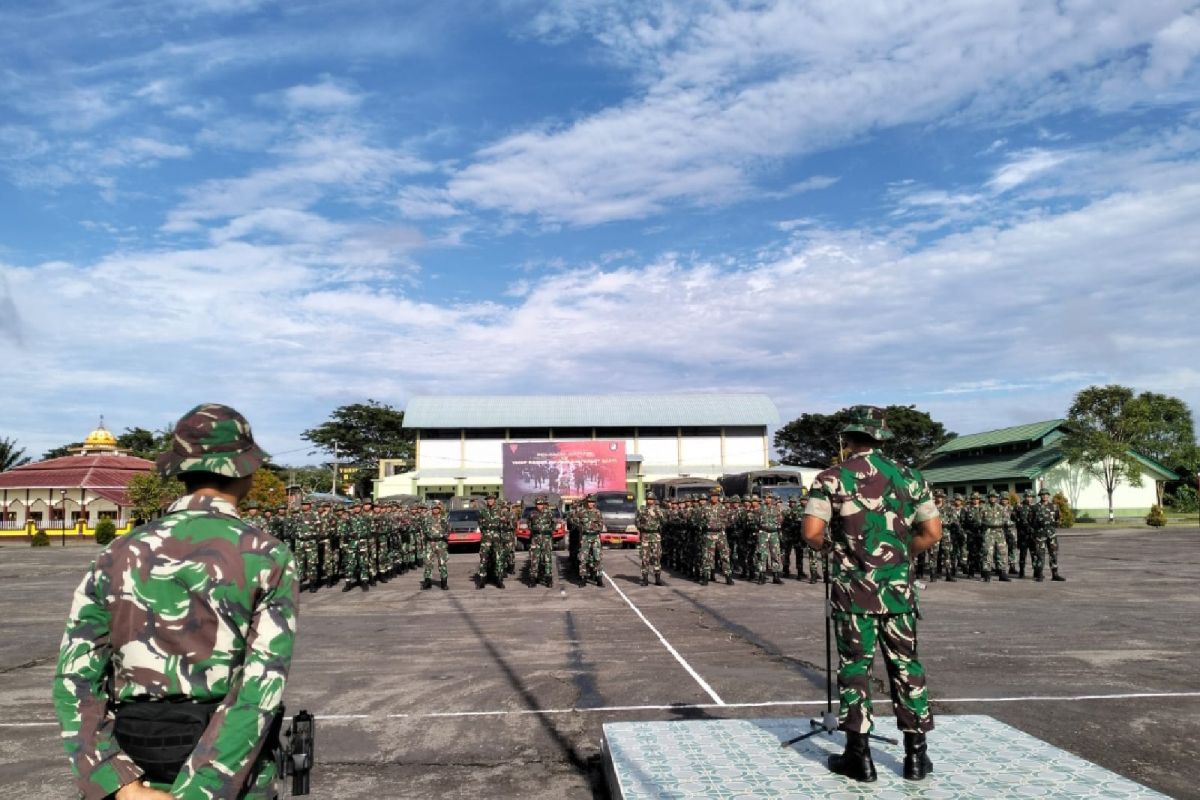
1000, 466
72, 472
1019, 433
586, 411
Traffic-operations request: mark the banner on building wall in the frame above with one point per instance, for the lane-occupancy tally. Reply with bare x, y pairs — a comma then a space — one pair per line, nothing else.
570, 469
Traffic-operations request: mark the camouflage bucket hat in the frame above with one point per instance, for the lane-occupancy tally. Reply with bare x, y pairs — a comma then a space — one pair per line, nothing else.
212, 438
868, 420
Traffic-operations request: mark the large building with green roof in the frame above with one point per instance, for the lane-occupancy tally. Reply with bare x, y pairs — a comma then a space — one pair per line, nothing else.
460, 438
1029, 457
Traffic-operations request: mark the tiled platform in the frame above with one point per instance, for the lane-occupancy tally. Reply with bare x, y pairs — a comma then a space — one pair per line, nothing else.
974, 757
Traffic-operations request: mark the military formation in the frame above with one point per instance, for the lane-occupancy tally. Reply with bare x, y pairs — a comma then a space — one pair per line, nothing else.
994, 539
750, 538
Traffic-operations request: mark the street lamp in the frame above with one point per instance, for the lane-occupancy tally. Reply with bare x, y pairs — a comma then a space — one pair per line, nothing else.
62, 495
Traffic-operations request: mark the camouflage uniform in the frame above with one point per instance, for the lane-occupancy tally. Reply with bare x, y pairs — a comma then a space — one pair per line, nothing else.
995, 550
541, 544
493, 529
1045, 538
943, 554
649, 522
766, 551
1023, 520
1010, 533
591, 524
195, 607
304, 527
716, 547
870, 503
971, 520
437, 530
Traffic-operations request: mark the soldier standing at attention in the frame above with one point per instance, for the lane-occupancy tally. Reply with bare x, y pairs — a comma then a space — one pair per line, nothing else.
541, 543
649, 523
1023, 519
995, 550
191, 617
437, 532
766, 551
872, 506
943, 552
492, 530
716, 548
1045, 536
591, 525
789, 537
972, 523
1010, 533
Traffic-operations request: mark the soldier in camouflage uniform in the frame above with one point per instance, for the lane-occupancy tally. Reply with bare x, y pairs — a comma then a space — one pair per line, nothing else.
437, 533
716, 547
354, 550
649, 523
193, 613
943, 552
1045, 537
1010, 533
814, 557
541, 543
994, 518
871, 505
493, 529
1023, 520
307, 552
789, 537
971, 520
591, 525
768, 521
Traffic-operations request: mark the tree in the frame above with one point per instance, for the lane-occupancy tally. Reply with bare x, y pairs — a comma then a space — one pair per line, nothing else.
11, 455
143, 443
309, 478
149, 493
106, 531
813, 439
59, 452
364, 433
1103, 427
266, 489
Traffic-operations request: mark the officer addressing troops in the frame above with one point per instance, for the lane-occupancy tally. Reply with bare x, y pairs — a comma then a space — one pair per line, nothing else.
880, 515
177, 647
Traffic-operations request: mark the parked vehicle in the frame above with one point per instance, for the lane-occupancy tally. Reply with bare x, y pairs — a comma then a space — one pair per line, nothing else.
782, 482
619, 510
682, 488
464, 526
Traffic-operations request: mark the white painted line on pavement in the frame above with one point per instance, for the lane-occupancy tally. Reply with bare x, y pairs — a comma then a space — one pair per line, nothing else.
695, 675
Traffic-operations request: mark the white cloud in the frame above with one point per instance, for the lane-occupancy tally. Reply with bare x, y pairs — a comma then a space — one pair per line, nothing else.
1024, 167
327, 95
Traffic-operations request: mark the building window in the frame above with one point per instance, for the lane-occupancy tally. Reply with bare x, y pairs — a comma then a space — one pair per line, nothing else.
575, 433
746, 430
979, 487
529, 433
702, 431
657, 432
485, 433
960, 490
1023, 487
441, 433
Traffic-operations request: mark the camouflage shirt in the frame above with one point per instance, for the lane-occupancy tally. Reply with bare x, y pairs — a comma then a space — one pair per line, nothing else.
870, 503
591, 522
649, 520
197, 604
542, 523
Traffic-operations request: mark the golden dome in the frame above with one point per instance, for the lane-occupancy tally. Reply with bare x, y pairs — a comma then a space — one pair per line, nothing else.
101, 437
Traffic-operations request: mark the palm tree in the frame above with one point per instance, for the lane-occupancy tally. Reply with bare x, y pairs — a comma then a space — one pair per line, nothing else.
11, 455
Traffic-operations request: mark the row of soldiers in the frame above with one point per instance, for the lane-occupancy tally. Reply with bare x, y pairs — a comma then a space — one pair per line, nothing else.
754, 538
994, 538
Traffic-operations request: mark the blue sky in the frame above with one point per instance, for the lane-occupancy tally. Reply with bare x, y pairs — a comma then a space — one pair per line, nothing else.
976, 208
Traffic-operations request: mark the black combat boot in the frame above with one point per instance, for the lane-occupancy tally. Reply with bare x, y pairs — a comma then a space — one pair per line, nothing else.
1012, 570
704, 581
1003, 576
950, 577
445, 583
1056, 576
427, 584
728, 579
658, 581
600, 581
480, 581
987, 576
1037, 576
645, 581
777, 579
349, 585
813, 579
312, 587
916, 758
500, 582
761, 579
856, 762
383, 577
366, 587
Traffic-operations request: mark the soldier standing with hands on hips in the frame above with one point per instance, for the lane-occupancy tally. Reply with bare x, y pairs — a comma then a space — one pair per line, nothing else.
880, 515
171, 673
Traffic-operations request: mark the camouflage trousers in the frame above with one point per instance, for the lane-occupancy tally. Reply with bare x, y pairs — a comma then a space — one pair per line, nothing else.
995, 550
814, 564
590, 556
896, 635
1045, 548
306, 560
1010, 540
329, 558
766, 553
358, 563
650, 545
437, 555
716, 555
541, 557
791, 543
944, 555
493, 560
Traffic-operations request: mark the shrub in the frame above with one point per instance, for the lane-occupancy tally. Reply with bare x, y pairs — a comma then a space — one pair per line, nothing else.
40, 539
1156, 518
106, 531
1066, 517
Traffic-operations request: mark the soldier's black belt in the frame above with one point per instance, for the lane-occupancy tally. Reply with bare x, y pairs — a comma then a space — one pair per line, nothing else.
159, 735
